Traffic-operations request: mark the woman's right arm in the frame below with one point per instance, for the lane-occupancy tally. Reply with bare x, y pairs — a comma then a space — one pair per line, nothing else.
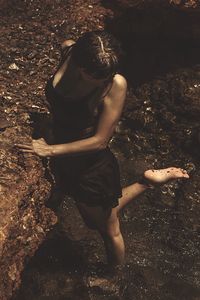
112, 109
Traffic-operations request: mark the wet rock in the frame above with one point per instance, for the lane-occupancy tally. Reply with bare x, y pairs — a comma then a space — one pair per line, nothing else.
24, 189
24, 219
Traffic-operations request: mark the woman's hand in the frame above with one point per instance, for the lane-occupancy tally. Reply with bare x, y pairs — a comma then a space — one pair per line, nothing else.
38, 147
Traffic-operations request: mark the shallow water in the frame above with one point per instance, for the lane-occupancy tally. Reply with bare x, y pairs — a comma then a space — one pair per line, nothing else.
162, 243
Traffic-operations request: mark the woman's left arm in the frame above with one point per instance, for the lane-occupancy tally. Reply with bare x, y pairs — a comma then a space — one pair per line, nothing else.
112, 109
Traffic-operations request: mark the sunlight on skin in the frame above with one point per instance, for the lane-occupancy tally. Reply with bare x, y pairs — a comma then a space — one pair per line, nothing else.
164, 175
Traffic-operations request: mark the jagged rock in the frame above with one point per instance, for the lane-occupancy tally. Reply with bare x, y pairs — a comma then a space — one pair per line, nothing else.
24, 218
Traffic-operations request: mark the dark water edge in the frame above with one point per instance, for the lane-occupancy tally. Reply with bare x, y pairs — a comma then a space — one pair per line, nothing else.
160, 127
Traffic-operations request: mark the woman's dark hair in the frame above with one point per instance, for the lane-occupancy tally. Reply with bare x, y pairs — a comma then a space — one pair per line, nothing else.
97, 53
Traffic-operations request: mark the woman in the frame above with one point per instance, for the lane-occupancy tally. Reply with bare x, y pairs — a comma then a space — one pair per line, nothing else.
87, 95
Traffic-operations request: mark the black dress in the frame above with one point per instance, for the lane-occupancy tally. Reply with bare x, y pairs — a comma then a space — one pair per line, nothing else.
92, 178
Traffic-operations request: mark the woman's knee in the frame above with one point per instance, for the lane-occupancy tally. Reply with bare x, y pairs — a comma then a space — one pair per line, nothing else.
111, 229
114, 232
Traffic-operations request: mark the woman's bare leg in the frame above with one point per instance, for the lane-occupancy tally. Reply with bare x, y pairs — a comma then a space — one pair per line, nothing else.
129, 193
155, 177
107, 223
113, 239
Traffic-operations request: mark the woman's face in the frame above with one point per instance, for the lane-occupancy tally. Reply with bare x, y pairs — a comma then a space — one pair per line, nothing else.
90, 78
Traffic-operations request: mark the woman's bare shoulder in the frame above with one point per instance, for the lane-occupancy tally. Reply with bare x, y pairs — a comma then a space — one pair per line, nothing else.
67, 43
119, 84
117, 93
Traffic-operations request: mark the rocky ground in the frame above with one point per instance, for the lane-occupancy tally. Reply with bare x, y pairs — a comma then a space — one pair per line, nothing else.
159, 127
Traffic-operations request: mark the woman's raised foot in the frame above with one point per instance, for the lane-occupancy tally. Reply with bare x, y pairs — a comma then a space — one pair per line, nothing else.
164, 175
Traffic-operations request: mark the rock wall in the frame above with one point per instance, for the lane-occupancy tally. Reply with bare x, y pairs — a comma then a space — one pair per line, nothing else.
24, 187
24, 218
